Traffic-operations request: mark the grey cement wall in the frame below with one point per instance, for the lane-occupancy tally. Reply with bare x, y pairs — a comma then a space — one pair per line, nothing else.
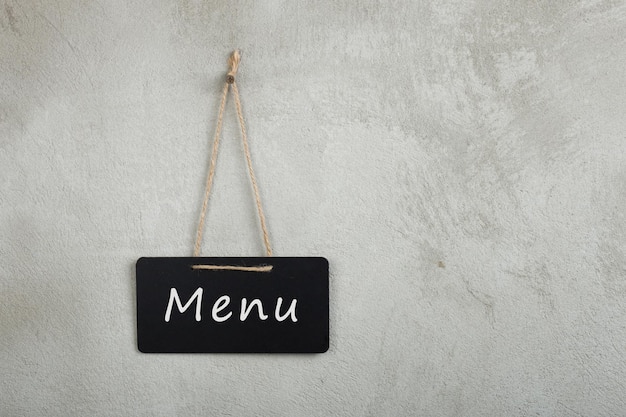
461, 164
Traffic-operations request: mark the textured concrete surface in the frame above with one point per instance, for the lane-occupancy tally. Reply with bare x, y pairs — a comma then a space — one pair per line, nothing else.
460, 163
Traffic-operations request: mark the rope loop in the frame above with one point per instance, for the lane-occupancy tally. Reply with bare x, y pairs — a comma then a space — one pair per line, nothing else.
233, 66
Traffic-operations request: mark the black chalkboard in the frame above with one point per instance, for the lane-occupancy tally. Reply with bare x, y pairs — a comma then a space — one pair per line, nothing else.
185, 310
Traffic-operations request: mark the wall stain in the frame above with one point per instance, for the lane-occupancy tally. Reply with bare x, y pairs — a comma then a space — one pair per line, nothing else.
8, 10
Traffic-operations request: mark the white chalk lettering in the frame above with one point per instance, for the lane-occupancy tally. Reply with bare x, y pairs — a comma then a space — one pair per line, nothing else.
290, 311
174, 297
245, 310
220, 311
220, 305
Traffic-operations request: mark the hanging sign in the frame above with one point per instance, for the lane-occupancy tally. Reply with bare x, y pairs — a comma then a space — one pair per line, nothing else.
237, 305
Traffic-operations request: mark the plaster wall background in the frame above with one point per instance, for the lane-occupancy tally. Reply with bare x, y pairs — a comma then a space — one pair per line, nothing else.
460, 163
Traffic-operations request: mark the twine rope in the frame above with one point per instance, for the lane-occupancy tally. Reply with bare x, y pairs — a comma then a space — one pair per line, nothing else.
260, 268
233, 65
